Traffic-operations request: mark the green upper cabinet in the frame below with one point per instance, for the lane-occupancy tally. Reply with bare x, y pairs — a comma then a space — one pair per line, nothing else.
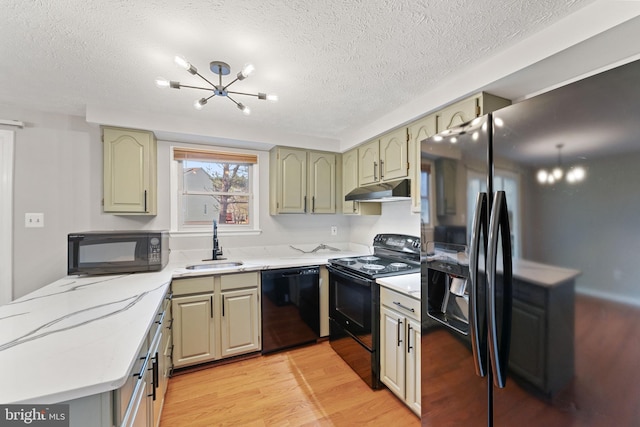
350, 182
418, 130
301, 181
130, 177
384, 159
468, 109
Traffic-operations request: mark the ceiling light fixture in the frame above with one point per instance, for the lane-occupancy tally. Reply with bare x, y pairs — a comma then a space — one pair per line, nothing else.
221, 69
574, 175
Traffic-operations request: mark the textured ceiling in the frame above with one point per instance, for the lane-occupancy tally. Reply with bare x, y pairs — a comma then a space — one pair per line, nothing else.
335, 64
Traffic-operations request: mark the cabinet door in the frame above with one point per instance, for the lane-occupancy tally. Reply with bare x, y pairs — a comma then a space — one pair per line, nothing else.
322, 182
458, 113
349, 179
413, 361
193, 329
369, 163
349, 182
292, 181
394, 160
129, 171
240, 322
419, 130
528, 349
392, 359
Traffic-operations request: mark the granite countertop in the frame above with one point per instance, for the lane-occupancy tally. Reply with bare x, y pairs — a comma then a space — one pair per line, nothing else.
80, 335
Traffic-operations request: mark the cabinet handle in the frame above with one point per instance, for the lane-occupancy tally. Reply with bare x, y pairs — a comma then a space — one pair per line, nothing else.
381, 169
375, 171
409, 347
398, 332
223, 306
313, 203
404, 306
211, 306
145, 201
305, 204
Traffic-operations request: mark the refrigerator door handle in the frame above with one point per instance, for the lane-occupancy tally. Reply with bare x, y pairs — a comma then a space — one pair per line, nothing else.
478, 230
499, 350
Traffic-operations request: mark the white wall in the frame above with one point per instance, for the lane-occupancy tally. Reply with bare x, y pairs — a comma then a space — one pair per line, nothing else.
396, 217
58, 172
52, 176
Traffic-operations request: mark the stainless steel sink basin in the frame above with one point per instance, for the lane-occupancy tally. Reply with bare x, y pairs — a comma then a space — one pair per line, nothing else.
215, 266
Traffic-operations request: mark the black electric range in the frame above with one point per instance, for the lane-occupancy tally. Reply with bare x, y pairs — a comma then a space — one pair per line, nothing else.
354, 300
393, 254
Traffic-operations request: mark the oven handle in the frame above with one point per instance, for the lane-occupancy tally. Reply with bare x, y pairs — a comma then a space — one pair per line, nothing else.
349, 276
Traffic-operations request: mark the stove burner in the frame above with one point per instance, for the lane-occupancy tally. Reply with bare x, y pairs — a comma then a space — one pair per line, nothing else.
348, 261
395, 266
373, 267
368, 258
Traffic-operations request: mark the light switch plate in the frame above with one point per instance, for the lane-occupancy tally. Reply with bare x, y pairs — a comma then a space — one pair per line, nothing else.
334, 230
33, 220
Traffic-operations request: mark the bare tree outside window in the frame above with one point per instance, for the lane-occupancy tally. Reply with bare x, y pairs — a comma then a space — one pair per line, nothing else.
216, 190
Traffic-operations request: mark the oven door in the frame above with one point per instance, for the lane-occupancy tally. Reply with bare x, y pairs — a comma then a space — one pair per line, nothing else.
351, 302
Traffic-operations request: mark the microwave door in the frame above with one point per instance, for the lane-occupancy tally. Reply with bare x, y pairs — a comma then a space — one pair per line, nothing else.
97, 254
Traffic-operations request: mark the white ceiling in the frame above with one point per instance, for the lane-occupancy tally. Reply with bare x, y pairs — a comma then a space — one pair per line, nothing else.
344, 70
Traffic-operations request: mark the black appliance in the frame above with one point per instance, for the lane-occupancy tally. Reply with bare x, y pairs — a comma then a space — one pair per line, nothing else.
354, 300
115, 252
290, 307
545, 273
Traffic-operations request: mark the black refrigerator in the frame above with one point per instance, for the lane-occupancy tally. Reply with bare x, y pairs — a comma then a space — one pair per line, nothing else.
530, 224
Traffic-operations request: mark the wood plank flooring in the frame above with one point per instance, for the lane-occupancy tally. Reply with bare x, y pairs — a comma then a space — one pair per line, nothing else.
307, 386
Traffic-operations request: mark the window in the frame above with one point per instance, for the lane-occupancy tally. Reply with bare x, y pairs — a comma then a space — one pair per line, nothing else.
215, 185
502, 181
425, 191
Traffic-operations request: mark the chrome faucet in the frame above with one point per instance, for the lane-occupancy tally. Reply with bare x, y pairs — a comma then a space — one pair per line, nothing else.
217, 250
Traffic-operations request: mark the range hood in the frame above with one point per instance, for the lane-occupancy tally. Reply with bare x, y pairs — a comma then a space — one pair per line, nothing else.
385, 192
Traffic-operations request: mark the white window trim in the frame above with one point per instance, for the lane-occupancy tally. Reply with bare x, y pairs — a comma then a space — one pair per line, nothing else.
200, 230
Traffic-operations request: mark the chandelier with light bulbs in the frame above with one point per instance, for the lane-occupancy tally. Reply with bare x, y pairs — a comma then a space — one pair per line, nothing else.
574, 174
221, 69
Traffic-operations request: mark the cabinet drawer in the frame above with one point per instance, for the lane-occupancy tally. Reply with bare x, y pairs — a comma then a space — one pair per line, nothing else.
399, 302
195, 285
238, 281
529, 293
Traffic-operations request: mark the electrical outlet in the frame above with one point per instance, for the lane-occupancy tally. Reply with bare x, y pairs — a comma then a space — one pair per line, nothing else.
334, 230
33, 220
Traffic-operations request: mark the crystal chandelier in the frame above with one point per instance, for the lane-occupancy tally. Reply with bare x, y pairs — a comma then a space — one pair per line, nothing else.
221, 69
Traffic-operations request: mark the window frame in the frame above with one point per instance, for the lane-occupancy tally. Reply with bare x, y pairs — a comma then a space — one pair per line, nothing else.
176, 184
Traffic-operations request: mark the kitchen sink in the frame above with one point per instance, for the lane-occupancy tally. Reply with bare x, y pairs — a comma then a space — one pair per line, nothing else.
214, 266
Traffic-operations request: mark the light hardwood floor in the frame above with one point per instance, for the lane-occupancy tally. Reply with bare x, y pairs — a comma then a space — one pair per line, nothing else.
307, 386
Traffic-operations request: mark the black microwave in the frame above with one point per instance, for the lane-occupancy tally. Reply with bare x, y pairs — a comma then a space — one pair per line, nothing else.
113, 252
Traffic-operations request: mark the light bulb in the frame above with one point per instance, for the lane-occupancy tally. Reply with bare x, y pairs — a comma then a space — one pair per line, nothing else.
437, 138
182, 62
557, 173
542, 176
247, 70
246, 110
272, 97
162, 83
200, 103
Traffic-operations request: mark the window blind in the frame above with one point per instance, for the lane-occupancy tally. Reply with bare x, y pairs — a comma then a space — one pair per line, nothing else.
212, 155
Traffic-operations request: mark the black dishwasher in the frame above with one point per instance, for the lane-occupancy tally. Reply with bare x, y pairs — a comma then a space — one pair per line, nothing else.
290, 307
